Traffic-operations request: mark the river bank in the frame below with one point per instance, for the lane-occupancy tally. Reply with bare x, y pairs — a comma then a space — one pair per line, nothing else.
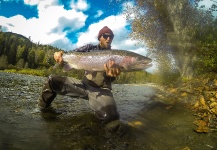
200, 96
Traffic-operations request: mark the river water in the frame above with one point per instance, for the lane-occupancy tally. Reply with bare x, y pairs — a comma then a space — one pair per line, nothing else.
71, 125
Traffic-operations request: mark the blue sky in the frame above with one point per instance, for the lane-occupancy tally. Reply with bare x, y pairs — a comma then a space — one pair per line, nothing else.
67, 24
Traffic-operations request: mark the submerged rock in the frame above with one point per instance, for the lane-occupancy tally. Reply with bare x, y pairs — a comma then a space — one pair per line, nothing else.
117, 127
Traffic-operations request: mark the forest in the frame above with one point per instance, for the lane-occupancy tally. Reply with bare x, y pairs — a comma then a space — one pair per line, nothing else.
17, 51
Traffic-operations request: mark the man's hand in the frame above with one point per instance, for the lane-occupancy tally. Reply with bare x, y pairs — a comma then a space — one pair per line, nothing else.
58, 57
110, 69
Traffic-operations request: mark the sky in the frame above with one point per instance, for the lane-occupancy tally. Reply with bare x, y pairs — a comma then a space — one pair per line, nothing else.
67, 24
208, 4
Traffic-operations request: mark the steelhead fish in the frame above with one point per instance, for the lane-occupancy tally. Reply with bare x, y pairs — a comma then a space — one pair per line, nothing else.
94, 61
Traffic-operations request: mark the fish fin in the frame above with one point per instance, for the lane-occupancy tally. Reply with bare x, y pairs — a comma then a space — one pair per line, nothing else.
124, 67
114, 65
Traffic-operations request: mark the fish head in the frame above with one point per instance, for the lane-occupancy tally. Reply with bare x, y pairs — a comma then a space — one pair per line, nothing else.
143, 63
138, 63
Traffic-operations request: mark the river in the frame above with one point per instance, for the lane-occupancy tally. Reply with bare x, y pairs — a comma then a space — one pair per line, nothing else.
71, 125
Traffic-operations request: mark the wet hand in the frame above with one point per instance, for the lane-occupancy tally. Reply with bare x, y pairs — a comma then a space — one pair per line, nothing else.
111, 70
58, 57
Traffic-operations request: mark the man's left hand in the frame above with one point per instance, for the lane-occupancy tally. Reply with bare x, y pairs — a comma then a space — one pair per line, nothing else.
110, 69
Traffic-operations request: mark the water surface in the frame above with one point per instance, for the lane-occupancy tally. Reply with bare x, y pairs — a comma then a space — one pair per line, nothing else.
71, 125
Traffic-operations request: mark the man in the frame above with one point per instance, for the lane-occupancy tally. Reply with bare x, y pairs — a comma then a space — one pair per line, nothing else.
95, 86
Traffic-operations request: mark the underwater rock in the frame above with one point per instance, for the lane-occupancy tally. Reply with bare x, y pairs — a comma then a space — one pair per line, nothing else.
117, 127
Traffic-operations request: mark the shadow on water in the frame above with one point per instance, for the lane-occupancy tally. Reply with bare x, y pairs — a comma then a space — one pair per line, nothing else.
70, 124
169, 127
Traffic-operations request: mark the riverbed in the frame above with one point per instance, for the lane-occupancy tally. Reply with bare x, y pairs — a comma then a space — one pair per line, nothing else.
156, 125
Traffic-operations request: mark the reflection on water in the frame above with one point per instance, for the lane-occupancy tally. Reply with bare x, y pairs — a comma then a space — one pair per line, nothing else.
70, 125
21, 127
131, 99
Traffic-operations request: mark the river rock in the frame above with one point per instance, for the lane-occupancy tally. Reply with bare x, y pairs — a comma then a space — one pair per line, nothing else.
118, 128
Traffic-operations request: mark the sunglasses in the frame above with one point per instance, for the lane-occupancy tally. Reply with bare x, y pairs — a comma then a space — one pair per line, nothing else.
106, 36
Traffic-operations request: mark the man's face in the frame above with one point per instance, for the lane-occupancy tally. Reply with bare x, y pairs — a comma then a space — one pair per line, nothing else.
106, 40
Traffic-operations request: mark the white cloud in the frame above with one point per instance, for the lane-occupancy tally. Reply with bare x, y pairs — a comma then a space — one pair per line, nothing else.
80, 5
63, 43
127, 4
52, 24
99, 13
118, 25
113, 22
207, 4
31, 2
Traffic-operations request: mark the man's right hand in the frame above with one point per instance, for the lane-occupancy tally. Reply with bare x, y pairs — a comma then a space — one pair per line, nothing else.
58, 57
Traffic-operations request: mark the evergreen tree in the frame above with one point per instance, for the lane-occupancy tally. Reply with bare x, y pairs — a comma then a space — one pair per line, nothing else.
3, 62
20, 63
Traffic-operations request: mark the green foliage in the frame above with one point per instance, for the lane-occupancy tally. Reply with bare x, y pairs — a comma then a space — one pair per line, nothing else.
21, 52
139, 77
26, 65
165, 78
20, 63
207, 47
26, 71
31, 59
3, 62
39, 57
177, 34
